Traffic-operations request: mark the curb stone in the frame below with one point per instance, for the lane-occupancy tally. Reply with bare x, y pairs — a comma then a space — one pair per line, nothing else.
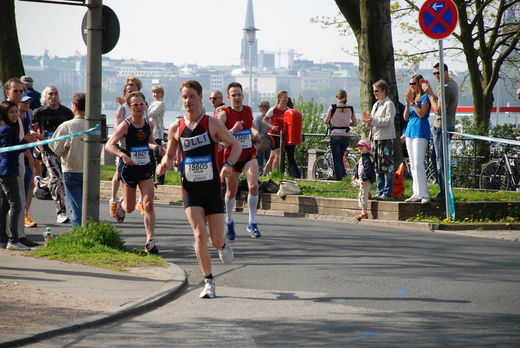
169, 291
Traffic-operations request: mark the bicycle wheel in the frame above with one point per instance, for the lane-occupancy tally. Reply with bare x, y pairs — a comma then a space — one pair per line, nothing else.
349, 162
321, 170
493, 177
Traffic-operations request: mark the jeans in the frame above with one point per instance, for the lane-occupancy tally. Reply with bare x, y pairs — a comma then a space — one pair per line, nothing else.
74, 191
437, 157
10, 202
385, 184
27, 180
262, 158
338, 146
416, 151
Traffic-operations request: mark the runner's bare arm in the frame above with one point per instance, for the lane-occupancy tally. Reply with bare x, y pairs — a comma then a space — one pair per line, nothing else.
169, 158
111, 146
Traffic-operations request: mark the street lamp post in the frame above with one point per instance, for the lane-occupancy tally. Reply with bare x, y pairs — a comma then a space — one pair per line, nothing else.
251, 36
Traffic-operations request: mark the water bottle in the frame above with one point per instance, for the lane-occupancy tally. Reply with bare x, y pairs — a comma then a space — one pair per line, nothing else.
47, 235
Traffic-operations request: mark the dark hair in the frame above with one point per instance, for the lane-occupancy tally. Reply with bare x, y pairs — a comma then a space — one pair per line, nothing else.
436, 66
234, 84
192, 84
290, 104
4, 110
79, 100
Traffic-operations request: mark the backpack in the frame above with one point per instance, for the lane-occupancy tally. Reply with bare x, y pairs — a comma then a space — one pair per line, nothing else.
334, 107
398, 182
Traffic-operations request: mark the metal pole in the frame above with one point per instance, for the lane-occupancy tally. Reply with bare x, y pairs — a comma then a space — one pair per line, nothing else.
250, 74
91, 154
445, 144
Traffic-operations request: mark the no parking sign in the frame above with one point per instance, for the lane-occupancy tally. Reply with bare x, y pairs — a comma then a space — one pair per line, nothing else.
438, 18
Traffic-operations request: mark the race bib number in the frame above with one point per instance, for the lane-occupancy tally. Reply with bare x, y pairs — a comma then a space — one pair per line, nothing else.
244, 138
198, 168
140, 155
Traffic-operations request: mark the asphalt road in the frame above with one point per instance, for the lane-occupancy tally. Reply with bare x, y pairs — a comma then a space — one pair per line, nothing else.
316, 283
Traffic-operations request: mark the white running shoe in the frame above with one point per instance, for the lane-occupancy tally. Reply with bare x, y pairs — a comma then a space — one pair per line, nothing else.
17, 246
62, 218
226, 254
209, 289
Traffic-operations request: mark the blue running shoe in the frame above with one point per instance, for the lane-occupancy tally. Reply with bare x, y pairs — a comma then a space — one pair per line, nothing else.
230, 230
253, 229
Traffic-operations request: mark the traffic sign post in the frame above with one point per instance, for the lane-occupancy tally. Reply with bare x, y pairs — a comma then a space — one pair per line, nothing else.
438, 19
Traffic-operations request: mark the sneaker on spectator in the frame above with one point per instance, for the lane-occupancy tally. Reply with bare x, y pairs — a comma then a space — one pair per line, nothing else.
140, 207
28, 223
113, 208
226, 254
151, 247
17, 246
230, 230
62, 218
253, 229
209, 289
120, 213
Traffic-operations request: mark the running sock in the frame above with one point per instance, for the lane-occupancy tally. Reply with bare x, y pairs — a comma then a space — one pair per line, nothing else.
252, 202
230, 203
363, 211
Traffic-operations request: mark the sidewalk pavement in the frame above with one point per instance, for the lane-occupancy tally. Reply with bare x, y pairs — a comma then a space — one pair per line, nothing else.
123, 293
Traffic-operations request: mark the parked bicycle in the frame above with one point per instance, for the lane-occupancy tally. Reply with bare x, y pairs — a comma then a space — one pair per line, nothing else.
323, 168
501, 174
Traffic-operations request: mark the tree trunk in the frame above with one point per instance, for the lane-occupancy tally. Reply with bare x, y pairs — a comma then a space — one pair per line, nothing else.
370, 21
11, 64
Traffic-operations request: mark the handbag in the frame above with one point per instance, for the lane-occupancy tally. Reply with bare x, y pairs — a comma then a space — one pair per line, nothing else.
288, 187
264, 144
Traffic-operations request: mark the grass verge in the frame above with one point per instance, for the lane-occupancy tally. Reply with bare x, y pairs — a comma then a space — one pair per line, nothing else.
97, 244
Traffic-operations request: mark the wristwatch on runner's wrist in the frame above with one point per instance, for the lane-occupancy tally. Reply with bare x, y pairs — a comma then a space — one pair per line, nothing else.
229, 163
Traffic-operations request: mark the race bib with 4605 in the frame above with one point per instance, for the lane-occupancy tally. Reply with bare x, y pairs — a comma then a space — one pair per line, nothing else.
140, 155
198, 168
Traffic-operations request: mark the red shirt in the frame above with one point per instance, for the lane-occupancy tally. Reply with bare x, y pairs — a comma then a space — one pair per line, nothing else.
277, 120
245, 136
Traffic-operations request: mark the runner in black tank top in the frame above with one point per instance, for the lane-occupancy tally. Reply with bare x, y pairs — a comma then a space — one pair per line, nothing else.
201, 184
196, 136
137, 168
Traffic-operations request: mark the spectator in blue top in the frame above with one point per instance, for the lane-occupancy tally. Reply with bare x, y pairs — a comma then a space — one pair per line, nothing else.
417, 136
10, 197
31, 92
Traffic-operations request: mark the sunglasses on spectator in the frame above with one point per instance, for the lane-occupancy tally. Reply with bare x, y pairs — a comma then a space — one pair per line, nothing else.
412, 83
137, 104
436, 73
212, 98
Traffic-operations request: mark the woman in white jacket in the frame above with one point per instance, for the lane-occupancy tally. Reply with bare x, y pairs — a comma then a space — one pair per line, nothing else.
382, 134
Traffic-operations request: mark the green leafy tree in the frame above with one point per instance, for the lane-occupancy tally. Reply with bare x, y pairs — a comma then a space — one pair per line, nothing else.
11, 64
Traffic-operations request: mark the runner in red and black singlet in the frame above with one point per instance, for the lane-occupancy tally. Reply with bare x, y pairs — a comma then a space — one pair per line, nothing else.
239, 120
275, 114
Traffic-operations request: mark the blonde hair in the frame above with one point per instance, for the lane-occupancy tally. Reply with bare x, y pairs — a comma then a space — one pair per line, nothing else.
279, 95
135, 80
158, 89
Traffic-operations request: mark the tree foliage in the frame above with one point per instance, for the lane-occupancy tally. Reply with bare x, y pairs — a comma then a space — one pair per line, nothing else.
487, 38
